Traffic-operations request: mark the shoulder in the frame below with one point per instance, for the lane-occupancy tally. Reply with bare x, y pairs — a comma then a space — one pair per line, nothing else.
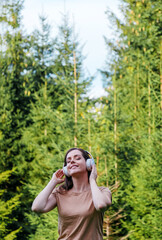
104, 189
106, 192
59, 190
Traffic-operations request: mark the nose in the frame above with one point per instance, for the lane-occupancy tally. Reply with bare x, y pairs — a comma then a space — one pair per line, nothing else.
72, 160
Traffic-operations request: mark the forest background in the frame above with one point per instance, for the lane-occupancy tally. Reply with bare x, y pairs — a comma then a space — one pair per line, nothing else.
45, 110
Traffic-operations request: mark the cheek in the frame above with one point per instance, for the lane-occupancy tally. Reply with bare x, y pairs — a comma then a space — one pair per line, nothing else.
84, 166
68, 166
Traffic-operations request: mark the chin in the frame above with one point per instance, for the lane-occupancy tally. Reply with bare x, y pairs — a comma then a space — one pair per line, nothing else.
77, 173
74, 173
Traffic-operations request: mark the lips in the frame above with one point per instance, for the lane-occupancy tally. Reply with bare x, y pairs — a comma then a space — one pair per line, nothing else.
74, 166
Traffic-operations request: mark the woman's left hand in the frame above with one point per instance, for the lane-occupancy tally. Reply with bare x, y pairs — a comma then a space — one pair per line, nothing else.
93, 175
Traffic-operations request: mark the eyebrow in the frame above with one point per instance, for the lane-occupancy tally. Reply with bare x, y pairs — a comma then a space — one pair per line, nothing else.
74, 156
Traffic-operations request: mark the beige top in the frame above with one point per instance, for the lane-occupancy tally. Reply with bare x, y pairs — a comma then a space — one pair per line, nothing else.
78, 218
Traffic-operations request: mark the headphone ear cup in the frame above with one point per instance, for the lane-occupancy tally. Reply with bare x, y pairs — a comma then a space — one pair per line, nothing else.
89, 164
65, 171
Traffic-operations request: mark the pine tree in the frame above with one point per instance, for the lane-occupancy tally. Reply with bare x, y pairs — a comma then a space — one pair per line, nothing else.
40, 135
51, 131
7, 209
14, 102
71, 82
135, 97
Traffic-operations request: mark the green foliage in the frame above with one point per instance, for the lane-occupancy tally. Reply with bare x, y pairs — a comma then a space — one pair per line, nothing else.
46, 225
51, 130
134, 100
44, 111
7, 208
12, 235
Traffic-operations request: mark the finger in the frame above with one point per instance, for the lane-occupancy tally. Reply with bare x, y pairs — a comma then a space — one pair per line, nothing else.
58, 173
93, 168
61, 174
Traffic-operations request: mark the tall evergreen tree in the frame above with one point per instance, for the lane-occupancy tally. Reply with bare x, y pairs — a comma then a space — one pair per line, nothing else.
51, 131
70, 81
14, 107
7, 209
135, 96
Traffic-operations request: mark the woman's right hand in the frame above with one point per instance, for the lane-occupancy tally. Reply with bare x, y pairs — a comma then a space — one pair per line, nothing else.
58, 176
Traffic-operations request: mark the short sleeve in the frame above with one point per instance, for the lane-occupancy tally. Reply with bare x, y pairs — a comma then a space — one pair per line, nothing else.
57, 190
54, 191
106, 190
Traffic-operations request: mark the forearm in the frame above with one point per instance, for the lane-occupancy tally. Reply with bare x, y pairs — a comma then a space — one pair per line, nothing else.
42, 198
100, 199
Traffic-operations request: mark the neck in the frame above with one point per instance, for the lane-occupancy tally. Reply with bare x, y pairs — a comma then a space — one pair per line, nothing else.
80, 183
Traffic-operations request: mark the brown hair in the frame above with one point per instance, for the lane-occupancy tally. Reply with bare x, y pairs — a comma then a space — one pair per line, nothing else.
68, 180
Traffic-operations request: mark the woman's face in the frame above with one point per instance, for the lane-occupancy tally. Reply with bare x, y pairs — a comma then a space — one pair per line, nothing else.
76, 163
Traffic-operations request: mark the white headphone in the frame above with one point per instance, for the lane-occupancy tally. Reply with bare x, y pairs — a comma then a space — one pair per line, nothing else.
89, 163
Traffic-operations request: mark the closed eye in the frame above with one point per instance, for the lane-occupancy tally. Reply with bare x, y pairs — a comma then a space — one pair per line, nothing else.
76, 157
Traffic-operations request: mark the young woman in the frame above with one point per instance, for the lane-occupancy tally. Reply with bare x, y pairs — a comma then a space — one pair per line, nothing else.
80, 202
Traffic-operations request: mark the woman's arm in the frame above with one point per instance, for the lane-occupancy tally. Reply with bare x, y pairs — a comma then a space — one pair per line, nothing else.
101, 199
46, 201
